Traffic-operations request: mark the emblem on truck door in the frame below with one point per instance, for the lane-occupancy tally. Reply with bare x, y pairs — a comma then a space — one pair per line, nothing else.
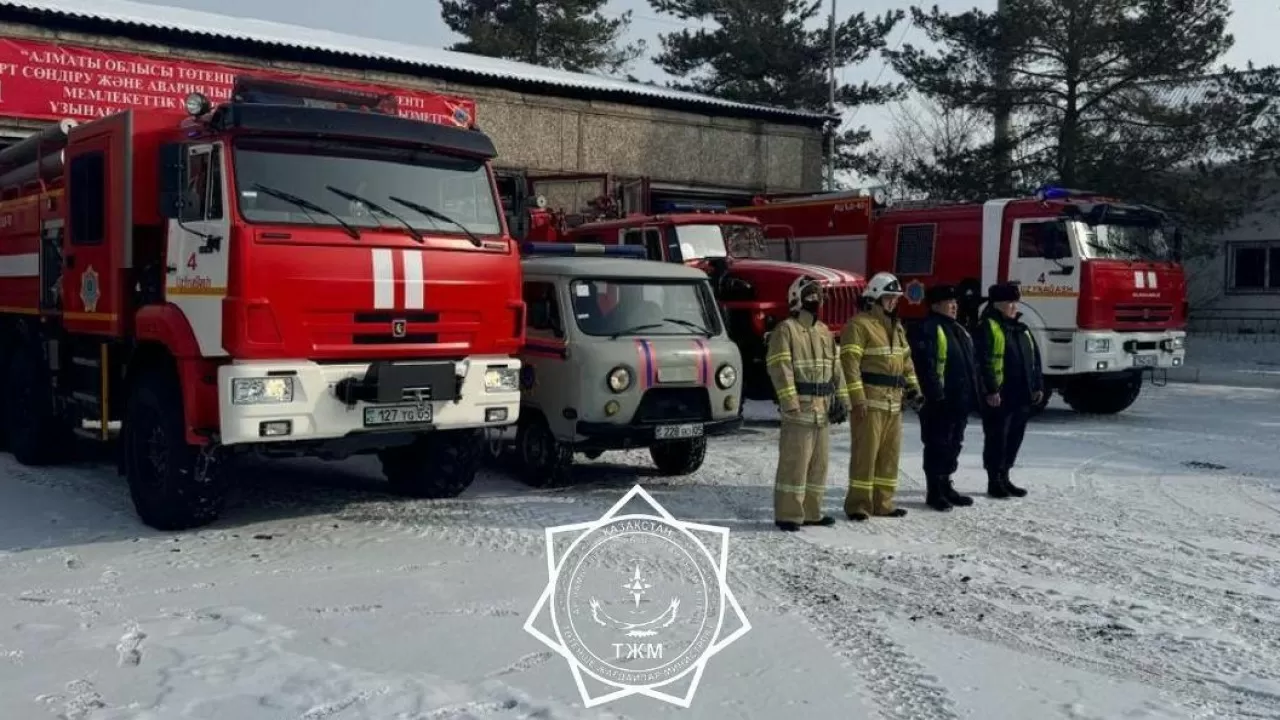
399, 328
89, 289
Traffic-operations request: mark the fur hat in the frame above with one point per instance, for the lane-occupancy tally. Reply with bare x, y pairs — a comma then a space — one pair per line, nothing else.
941, 293
1004, 292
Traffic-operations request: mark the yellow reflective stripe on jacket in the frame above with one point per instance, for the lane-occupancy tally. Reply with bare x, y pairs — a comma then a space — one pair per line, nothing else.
996, 360
940, 362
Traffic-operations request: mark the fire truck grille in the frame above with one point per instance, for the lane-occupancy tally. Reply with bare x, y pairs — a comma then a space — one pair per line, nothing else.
661, 405
394, 328
1141, 313
838, 305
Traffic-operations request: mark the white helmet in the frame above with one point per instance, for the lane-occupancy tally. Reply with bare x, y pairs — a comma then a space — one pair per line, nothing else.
882, 284
803, 285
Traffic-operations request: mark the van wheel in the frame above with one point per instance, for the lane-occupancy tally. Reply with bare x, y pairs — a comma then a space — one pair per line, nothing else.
435, 466
32, 428
679, 457
175, 486
547, 461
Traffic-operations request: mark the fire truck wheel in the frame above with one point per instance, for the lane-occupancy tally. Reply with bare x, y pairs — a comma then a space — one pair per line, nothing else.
547, 462
175, 486
679, 457
33, 431
1103, 397
435, 466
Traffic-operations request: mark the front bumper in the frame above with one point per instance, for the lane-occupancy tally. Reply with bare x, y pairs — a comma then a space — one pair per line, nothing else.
1121, 351
616, 436
317, 412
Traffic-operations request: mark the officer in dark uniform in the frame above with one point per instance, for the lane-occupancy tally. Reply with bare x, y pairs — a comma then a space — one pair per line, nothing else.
1013, 383
942, 352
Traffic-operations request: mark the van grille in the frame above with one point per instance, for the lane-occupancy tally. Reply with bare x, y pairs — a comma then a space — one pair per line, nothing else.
838, 305
1143, 313
661, 405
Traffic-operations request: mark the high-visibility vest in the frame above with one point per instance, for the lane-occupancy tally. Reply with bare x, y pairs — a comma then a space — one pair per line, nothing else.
996, 361
940, 362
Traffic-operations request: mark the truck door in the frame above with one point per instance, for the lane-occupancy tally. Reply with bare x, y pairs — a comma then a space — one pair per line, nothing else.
99, 200
1041, 261
197, 245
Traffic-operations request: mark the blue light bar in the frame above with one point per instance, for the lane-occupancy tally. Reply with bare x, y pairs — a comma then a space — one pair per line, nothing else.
693, 206
583, 249
1049, 192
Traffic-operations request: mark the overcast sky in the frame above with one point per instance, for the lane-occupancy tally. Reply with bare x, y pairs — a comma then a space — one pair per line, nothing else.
1254, 24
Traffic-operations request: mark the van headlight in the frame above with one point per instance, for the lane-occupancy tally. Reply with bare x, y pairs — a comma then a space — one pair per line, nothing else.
1097, 345
261, 391
726, 376
501, 379
619, 379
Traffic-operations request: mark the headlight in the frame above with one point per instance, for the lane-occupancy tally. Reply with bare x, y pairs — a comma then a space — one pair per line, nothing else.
502, 379
619, 379
1175, 344
726, 376
1101, 345
261, 391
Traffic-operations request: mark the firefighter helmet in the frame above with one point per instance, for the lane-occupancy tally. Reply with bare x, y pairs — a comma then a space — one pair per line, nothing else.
882, 284
802, 286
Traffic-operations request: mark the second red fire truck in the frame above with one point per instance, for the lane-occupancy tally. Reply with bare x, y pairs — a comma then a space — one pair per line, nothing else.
299, 271
1101, 284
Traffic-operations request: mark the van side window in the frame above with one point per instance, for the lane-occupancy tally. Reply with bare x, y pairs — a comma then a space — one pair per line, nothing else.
914, 252
542, 309
88, 201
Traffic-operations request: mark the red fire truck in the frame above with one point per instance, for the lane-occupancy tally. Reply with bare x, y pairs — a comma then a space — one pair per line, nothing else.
1102, 289
732, 250
298, 271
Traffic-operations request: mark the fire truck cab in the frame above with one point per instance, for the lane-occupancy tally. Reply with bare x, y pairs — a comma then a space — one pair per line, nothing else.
732, 250
298, 271
1101, 285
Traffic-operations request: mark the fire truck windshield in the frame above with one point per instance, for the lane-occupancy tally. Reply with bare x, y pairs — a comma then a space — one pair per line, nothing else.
727, 240
608, 307
1124, 242
306, 170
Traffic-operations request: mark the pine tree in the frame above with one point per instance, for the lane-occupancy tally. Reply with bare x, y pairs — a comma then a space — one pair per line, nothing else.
564, 34
1120, 96
768, 52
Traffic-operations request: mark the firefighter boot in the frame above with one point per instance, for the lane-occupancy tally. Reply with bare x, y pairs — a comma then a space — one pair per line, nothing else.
1009, 487
786, 526
825, 521
953, 497
934, 495
995, 484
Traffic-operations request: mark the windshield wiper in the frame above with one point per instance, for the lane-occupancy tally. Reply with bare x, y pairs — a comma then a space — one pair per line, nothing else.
433, 213
378, 209
306, 204
635, 329
691, 325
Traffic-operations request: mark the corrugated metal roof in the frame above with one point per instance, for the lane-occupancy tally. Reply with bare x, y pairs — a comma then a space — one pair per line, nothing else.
293, 36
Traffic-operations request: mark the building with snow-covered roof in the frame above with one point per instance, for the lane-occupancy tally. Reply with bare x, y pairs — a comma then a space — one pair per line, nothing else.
561, 134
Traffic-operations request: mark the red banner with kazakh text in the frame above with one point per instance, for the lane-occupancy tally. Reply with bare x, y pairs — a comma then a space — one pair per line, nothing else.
48, 81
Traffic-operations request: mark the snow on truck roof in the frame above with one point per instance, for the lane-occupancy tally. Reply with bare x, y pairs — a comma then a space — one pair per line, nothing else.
628, 268
280, 35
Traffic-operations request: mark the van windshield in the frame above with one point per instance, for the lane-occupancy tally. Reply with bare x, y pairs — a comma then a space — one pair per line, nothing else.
327, 174
626, 306
1123, 242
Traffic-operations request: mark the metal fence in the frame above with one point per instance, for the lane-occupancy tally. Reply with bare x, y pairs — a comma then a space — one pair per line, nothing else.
1262, 324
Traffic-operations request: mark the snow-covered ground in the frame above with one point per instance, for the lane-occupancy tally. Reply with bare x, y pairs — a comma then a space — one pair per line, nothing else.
1139, 579
1237, 360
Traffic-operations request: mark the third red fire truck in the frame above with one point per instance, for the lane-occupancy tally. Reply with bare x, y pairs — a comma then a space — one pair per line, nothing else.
1102, 287
298, 271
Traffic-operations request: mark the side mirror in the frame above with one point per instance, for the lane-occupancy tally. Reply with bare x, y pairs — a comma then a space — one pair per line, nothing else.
173, 176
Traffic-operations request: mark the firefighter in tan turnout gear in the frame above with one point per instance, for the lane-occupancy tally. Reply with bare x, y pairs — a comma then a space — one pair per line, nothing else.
803, 364
879, 375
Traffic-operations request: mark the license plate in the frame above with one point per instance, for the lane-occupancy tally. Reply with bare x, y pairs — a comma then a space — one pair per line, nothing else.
677, 432
406, 414
1144, 360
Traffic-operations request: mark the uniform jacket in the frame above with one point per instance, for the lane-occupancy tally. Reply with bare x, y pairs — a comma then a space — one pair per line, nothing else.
943, 354
1009, 358
876, 360
802, 363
